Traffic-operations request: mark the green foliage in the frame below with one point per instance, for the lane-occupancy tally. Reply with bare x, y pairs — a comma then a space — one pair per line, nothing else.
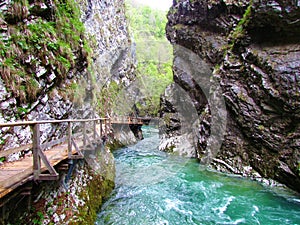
145, 21
39, 218
51, 44
239, 31
261, 127
107, 97
99, 188
154, 55
22, 110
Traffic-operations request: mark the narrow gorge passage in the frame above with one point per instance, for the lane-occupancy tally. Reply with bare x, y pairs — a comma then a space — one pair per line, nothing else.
153, 187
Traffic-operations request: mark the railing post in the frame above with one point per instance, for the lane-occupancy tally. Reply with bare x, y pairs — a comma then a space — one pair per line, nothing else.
109, 121
105, 127
100, 128
84, 134
95, 132
36, 147
69, 139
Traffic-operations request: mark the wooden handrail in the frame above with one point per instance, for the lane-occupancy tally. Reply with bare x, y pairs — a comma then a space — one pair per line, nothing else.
25, 123
107, 122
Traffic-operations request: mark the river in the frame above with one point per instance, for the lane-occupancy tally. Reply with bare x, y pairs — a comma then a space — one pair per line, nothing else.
153, 187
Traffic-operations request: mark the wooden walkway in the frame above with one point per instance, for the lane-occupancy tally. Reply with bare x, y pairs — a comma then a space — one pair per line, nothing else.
40, 164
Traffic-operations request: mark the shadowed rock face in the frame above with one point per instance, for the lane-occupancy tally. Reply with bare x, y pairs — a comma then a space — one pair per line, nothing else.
252, 49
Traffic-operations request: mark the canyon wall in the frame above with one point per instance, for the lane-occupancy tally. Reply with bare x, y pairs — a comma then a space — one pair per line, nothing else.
237, 69
57, 57
61, 59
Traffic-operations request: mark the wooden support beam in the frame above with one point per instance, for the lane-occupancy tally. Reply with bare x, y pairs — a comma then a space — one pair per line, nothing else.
26, 191
101, 128
95, 131
77, 157
97, 138
109, 124
35, 151
89, 142
84, 133
80, 155
48, 177
50, 168
38, 154
63, 167
75, 145
69, 139
105, 127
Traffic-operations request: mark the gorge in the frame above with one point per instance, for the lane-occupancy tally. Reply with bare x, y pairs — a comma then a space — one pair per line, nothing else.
60, 60
234, 103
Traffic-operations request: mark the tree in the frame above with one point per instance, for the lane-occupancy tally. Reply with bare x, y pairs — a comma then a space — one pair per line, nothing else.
154, 54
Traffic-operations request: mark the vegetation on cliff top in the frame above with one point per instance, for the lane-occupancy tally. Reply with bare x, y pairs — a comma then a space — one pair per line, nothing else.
39, 43
154, 54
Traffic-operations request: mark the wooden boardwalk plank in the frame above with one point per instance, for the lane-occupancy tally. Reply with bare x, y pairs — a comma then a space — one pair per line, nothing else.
17, 171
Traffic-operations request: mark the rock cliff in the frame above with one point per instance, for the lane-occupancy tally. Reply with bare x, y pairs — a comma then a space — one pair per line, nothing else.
244, 54
61, 59
56, 58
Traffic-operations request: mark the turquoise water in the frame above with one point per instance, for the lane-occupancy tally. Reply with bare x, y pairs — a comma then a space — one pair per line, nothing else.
155, 188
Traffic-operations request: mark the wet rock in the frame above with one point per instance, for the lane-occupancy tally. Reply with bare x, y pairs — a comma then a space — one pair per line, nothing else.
252, 49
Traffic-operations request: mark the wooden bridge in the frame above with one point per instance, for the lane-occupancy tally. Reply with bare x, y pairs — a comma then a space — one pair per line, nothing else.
40, 164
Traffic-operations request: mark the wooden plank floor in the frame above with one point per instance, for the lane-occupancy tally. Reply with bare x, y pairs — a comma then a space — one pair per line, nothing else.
14, 174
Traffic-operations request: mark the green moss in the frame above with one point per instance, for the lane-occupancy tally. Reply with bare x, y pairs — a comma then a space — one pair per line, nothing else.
114, 145
99, 188
242, 97
170, 149
261, 127
240, 31
32, 89
217, 69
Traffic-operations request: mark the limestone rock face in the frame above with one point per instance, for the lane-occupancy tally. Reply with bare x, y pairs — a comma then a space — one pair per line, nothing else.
113, 51
53, 72
251, 50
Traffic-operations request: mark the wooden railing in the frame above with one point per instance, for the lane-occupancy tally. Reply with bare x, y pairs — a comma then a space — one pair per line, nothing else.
126, 120
72, 140
75, 143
